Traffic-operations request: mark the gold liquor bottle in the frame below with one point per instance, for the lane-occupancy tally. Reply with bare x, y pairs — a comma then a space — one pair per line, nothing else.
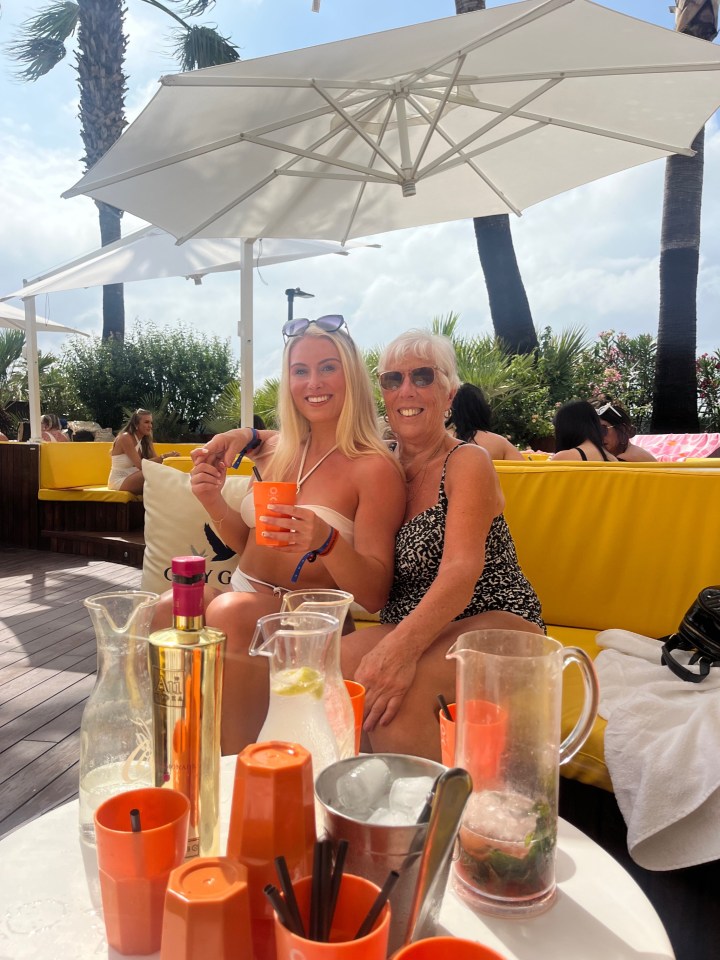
186, 671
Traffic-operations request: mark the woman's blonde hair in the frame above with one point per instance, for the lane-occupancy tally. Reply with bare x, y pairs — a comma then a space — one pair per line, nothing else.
432, 348
146, 445
356, 432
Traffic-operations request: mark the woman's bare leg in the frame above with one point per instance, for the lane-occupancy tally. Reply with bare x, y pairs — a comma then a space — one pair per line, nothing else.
246, 683
134, 483
414, 729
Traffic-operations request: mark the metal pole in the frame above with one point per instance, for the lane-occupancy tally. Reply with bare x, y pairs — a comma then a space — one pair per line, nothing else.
32, 368
245, 332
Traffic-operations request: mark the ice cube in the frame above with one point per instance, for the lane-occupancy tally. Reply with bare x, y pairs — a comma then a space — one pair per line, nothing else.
390, 818
359, 791
408, 795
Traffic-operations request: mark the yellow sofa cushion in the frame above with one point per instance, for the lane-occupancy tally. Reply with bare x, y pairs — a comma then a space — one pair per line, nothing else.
92, 493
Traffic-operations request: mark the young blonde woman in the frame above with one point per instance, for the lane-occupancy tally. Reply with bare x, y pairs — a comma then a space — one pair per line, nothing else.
349, 504
133, 445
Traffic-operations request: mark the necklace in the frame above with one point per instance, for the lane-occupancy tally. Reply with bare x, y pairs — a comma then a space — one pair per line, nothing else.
423, 470
301, 478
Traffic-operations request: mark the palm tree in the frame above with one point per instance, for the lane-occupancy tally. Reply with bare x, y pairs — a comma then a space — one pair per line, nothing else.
100, 56
675, 387
509, 306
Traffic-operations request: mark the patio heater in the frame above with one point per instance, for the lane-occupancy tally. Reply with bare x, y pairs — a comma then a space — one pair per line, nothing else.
293, 292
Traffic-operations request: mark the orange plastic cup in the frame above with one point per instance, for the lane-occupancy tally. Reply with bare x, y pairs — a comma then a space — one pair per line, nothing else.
357, 699
264, 493
447, 736
356, 897
438, 948
272, 815
207, 911
485, 730
134, 867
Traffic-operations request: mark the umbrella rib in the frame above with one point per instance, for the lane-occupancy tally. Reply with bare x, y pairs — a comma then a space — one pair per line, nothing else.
312, 115
190, 79
374, 146
465, 158
503, 114
520, 21
433, 122
578, 74
312, 155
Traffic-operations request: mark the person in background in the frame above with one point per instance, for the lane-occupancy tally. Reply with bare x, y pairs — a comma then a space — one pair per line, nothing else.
456, 568
471, 419
579, 433
51, 432
133, 445
619, 431
83, 436
3, 438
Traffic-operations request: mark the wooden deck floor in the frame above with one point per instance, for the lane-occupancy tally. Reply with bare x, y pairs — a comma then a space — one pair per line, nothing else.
47, 670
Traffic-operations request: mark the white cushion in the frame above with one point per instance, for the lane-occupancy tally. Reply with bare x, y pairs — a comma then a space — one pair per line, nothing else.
176, 525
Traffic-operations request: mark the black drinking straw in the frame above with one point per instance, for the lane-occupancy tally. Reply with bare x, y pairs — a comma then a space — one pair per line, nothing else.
135, 821
280, 907
257, 474
325, 887
380, 901
316, 892
444, 707
289, 894
336, 881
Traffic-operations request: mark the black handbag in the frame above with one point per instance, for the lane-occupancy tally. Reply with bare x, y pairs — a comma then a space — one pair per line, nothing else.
699, 633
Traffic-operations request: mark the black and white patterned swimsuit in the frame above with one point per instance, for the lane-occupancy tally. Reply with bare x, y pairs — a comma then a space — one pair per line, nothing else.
418, 551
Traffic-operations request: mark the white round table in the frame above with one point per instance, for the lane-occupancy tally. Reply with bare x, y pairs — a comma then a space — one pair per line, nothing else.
600, 912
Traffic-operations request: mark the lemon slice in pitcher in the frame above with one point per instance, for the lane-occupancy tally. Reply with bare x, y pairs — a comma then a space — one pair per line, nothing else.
290, 683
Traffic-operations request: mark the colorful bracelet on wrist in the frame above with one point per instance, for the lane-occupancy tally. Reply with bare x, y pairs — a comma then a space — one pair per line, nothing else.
254, 442
312, 555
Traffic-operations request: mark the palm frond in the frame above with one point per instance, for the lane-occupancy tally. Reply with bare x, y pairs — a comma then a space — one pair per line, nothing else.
200, 46
11, 345
447, 325
41, 41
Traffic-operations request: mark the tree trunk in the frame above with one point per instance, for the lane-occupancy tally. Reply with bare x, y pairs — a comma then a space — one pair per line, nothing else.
102, 83
509, 306
675, 387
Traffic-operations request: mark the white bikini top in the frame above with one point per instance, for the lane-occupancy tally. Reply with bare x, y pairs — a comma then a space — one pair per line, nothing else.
345, 527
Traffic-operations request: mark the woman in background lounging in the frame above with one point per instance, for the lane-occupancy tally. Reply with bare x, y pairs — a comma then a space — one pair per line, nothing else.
133, 445
579, 433
455, 563
619, 431
51, 431
350, 499
471, 419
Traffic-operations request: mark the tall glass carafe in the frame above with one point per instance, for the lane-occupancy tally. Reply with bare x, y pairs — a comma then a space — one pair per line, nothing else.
116, 725
298, 646
339, 709
509, 692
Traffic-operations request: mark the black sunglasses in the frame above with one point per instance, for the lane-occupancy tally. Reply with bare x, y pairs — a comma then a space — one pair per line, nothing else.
419, 377
330, 323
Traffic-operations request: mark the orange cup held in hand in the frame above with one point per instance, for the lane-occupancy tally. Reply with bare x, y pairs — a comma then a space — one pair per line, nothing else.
266, 492
134, 867
357, 699
207, 911
356, 897
272, 815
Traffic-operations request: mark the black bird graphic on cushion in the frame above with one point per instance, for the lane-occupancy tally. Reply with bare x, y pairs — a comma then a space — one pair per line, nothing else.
222, 550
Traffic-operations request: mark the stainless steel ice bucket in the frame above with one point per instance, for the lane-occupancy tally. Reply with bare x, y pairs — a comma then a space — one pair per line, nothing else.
376, 849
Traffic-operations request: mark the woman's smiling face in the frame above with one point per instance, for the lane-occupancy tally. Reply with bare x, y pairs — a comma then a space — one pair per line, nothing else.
317, 378
413, 409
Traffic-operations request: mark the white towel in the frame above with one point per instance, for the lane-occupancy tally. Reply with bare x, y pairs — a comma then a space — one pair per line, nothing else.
662, 749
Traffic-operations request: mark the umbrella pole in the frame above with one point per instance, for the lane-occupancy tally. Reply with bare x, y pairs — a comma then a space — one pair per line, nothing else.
245, 332
31, 355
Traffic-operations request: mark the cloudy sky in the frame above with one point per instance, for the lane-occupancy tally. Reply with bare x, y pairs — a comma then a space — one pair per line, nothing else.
588, 257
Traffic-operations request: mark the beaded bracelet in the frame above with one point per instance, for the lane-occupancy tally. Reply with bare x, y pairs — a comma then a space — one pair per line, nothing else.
312, 555
255, 441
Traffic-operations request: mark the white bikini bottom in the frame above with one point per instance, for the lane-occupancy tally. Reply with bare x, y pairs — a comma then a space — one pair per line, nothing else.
243, 583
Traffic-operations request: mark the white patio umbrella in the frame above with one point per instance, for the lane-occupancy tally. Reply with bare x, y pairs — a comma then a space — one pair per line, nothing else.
32, 325
151, 253
478, 114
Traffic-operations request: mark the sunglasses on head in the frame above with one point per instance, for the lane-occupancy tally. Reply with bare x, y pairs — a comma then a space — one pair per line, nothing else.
604, 409
419, 377
330, 323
